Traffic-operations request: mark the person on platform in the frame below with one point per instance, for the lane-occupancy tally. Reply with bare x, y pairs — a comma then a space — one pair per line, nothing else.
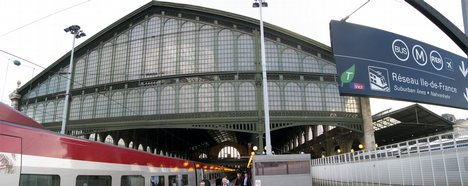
246, 180
207, 182
202, 183
238, 181
225, 182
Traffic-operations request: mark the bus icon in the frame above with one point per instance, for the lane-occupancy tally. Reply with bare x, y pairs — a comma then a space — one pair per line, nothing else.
378, 79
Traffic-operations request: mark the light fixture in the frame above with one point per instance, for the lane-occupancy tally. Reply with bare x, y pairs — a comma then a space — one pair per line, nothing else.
255, 148
361, 146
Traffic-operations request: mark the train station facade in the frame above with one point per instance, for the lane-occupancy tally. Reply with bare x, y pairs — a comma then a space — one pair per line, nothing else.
183, 79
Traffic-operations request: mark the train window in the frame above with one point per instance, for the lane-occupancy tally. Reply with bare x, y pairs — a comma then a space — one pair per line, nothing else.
39, 180
184, 180
132, 181
157, 180
93, 180
173, 180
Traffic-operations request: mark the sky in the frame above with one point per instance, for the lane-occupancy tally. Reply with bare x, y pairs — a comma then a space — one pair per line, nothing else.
33, 30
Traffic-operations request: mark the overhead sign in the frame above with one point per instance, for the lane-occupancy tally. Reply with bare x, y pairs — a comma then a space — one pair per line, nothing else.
377, 63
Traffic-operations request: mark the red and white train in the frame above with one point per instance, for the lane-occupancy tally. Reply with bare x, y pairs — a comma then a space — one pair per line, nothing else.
30, 155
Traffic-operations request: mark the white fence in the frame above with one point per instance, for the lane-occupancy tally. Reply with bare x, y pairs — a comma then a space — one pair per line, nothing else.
435, 160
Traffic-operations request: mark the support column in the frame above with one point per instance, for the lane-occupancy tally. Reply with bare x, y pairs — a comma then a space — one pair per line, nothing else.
369, 138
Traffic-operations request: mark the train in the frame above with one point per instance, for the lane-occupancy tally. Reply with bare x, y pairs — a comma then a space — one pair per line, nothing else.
31, 155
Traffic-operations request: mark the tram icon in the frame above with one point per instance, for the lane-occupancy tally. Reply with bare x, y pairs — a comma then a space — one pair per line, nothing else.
378, 79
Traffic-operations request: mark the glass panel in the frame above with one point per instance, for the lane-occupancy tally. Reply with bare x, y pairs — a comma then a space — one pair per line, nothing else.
298, 167
117, 105
101, 106
87, 109
42, 89
136, 53
152, 47
329, 69
206, 98
93, 180
184, 181
75, 105
332, 98
63, 79
91, 69
271, 168
247, 98
105, 66
150, 102
120, 64
271, 55
226, 97
290, 60
39, 180
226, 50
274, 96
293, 98
133, 102
49, 116
53, 85
59, 112
313, 97
169, 54
246, 53
186, 99
132, 181
206, 49
79, 74
187, 48
157, 180
167, 100
310, 64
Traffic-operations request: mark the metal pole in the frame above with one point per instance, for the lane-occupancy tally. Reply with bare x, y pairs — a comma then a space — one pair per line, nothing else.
266, 108
465, 14
66, 106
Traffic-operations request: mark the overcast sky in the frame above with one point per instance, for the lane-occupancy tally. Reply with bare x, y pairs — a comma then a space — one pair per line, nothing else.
43, 41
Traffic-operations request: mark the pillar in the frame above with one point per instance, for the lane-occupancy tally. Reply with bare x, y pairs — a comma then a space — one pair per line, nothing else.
369, 138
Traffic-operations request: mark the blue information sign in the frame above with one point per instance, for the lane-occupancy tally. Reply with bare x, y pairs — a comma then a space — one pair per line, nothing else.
377, 63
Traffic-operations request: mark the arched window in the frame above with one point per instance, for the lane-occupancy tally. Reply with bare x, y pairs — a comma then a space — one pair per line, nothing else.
150, 101
120, 63
105, 66
148, 149
293, 97
202, 156
53, 85
246, 53
302, 138
133, 103
247, 98
206, 49
274, 96
311, 134
272, 59
49, 110
169, 54
206, 98
187, 48
351, 104
167, 100
186, 99
228, 152
59, 111
290, 60
313, 97
87, 109
130, 145
329, 69
226, 97
116, 104
121, 143
332, 98
152, 47
310, 64
101, 106
75, 108
136, 53
91, 69
140, 147
109, 140
39, 115
319, 130
79, 74
226, 50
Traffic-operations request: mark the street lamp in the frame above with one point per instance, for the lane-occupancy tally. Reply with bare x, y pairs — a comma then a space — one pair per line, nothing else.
77, 33
259, 4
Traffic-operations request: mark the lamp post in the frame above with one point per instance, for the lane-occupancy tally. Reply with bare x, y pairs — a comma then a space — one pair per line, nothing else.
77, 33
259, 4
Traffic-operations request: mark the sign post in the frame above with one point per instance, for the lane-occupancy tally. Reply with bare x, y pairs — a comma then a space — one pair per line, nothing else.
376, 63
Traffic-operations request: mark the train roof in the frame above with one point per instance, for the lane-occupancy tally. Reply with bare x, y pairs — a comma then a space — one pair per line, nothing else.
10, 115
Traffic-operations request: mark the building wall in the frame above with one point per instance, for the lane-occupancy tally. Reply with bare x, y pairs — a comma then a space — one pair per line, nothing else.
165, 64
